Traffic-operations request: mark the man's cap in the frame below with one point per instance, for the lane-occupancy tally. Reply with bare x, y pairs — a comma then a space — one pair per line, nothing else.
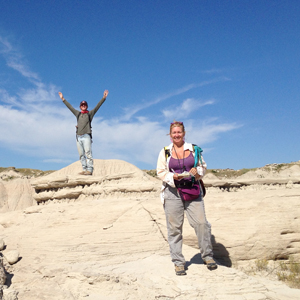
83, 102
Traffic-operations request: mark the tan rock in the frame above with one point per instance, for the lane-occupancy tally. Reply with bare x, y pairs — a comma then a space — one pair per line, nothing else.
12, 256
15, 194
2, 273
110, 242
2, 244
9, 294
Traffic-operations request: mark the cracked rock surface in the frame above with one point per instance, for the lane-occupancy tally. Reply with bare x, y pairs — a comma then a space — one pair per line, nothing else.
115, 249
112, 245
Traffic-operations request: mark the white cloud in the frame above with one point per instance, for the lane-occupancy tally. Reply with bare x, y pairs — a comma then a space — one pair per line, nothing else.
14, 59
208, 130
30, 126
57, 160
185, 109
129, 112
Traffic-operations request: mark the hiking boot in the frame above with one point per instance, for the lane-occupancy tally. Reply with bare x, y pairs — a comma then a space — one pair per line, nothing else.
82, 173
211, 264
179, 270
88, 173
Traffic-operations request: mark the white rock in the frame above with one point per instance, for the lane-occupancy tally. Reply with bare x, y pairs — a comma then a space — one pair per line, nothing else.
12, 256
9, 294
2, 244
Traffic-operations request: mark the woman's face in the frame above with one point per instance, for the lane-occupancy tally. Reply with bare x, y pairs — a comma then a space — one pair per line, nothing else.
177, 135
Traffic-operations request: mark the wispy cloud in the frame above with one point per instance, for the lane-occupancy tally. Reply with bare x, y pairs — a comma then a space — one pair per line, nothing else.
213, 71
57, 160
14, 60
130, 111
185, 109
29, 126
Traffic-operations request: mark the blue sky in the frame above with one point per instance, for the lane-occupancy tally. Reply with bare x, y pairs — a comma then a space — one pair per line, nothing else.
228, 69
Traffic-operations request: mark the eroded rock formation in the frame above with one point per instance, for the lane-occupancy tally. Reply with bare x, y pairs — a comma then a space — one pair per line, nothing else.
104, 236
111, 178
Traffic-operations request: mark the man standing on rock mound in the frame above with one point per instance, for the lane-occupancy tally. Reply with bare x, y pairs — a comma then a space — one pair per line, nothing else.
84, 131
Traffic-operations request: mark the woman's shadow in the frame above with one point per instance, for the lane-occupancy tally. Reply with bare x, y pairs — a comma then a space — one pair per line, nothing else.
220, 254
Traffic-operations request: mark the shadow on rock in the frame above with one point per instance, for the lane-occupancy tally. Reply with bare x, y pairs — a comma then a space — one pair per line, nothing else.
220, 253
9, 277
196, 259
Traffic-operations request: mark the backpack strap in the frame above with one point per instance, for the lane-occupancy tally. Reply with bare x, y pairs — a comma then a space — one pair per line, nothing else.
198, 151
167, 152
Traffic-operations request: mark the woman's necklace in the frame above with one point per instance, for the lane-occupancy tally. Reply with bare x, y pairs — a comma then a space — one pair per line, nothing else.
183, 166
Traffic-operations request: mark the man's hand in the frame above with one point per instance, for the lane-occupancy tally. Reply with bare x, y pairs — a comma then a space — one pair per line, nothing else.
61, 96
105, 93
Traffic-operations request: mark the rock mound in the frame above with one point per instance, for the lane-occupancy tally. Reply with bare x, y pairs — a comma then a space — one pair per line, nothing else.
15, 194
268, 175
110, 178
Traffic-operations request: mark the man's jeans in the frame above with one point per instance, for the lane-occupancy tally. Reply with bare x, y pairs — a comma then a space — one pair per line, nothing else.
84, 146
195, 212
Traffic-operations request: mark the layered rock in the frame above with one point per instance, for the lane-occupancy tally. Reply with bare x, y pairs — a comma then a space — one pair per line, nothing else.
15, 194
113, 243
288, 175
110, 178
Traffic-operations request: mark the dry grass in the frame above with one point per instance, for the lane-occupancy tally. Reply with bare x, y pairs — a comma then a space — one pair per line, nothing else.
24, 172
151, 172
287, 271
220, 173
228, 173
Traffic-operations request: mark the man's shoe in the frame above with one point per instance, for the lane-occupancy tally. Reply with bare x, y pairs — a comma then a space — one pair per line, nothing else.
179, 270
88, 173
211, 264
82, 173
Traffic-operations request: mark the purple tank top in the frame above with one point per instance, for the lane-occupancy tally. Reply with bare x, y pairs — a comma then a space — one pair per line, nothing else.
177, 164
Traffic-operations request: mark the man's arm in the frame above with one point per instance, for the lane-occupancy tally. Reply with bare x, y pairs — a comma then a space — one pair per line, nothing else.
94, 110
68, 105
61, 96
105, 93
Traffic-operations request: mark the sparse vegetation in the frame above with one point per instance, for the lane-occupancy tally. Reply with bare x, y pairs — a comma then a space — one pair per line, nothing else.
279, 167
230, 173
220, 173
24, 172
151, 172
261, 264
9, 178
289, 272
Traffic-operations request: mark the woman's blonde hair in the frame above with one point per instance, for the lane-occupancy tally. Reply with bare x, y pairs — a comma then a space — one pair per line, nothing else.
177, 124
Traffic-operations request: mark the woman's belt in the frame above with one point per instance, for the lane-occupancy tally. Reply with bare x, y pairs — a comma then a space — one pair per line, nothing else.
185, 184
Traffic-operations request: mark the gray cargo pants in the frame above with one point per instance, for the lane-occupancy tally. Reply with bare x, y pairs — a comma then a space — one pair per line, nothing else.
174, 209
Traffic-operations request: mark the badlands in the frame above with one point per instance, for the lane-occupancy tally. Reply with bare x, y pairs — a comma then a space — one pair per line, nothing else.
66, 236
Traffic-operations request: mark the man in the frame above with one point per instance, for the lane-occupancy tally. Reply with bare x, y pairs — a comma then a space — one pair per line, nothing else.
84, 132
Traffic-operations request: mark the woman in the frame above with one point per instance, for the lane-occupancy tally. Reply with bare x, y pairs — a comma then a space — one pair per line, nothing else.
181, 193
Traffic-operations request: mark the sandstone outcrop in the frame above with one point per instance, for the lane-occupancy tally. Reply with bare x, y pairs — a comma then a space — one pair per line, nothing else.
111, 178
288, 175
104, 237
15, 194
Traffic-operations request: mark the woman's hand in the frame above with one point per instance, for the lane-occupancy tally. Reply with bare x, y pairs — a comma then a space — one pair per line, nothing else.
175, 176
193, 172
